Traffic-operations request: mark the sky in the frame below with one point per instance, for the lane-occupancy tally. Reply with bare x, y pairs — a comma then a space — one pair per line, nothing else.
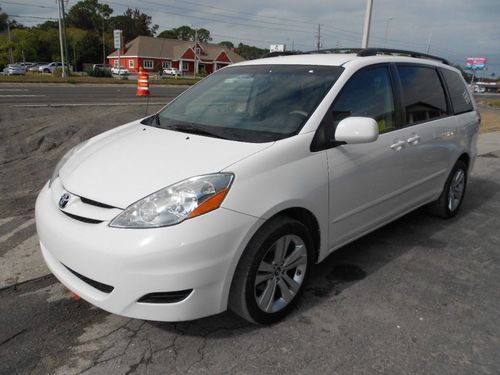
456, 29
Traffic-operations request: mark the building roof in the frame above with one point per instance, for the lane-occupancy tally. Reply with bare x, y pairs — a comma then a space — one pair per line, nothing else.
162, 48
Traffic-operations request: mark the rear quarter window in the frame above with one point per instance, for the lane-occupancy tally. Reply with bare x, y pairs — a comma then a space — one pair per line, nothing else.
459, 95
423, 94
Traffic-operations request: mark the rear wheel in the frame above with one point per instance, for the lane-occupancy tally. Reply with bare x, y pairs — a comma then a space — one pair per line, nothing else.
451, 198
272, 271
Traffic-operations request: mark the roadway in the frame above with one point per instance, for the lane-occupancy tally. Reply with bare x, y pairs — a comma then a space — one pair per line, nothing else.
83, 94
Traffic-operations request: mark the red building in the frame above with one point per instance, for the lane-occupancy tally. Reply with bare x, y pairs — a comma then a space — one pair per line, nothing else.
155, 53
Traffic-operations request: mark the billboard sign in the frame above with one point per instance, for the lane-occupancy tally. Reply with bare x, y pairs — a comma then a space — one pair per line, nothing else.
476, 63
117, 36
277, 48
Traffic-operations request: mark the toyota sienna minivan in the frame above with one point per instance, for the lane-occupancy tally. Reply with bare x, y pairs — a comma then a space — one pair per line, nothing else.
228, 196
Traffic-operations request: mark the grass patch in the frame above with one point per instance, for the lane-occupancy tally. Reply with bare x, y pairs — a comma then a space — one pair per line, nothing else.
490, 102
47, 78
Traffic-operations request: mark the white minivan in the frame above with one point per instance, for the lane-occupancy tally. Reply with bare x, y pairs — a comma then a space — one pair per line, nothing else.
229, 195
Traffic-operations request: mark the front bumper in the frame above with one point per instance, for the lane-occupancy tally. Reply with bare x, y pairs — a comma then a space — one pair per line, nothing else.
199, 254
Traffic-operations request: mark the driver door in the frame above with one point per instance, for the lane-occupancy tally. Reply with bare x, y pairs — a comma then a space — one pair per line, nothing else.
366, 181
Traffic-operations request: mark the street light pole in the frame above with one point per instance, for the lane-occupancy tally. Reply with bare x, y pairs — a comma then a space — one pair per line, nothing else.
65, 39
387, 30
195, 52
61, 38
368, 20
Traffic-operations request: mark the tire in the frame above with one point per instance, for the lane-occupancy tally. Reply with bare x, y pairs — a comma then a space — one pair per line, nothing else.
280, 285
46, 71
452, 196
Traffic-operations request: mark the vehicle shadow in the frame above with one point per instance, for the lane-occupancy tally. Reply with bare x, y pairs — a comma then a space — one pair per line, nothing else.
355, 261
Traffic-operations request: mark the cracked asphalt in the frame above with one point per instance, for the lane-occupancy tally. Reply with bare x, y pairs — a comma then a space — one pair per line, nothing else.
418, 296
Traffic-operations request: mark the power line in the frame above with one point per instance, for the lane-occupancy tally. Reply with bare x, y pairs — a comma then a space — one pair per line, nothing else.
34, 17
29, 5
215, 20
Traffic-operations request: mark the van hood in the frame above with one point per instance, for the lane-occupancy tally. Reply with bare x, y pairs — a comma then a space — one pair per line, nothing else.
126, 164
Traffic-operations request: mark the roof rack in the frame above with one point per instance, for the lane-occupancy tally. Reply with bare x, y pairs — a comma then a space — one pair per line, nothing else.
337, 50
362, 52
399, 52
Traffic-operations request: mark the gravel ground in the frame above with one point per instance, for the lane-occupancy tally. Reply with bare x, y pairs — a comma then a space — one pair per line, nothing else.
36, 138
419, 296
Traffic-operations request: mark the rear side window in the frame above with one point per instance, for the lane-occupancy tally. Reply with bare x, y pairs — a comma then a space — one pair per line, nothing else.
368, 94
460, 98
423, 94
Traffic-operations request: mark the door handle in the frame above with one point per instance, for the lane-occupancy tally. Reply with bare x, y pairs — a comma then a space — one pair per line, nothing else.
398, 145
413, 140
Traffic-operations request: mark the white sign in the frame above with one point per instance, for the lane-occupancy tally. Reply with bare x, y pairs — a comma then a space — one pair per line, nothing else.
277, 48
117, 36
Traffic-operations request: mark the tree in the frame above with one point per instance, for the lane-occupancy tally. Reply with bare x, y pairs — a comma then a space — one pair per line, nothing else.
250, 52
133, 23
3, 20
203, 35
49, 25
89, 15
227, 44
168, 34
187, 33
184, 33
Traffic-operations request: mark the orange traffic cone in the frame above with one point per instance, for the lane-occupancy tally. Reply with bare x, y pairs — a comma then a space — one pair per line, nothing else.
142, 83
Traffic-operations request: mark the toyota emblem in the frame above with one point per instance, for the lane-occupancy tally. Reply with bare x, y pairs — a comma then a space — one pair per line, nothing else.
63, 201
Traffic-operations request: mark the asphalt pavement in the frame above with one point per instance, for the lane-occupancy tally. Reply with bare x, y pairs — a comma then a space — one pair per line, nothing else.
418, 296
82, 94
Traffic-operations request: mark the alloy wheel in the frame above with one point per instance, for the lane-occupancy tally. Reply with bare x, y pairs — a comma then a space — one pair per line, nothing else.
456, 190
280, 273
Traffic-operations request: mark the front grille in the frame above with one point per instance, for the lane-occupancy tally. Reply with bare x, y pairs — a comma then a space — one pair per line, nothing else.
94, 203
83, 219
166, 297
96, 284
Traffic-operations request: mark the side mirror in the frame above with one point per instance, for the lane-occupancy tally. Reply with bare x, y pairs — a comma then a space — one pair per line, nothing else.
352, 130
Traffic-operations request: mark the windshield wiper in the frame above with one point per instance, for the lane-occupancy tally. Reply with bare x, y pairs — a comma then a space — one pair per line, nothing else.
192, 130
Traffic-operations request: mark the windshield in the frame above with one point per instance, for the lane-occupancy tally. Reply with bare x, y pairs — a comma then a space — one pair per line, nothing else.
259, 103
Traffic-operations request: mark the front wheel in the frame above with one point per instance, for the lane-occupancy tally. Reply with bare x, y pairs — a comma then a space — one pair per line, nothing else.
451, 198
271, 273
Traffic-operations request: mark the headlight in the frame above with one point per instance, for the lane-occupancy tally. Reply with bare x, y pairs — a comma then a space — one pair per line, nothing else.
176, 203
63, 161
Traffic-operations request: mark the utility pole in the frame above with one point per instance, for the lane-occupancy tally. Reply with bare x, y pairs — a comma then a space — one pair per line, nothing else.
318, 35
103, 45
11, 57
368, 20
65, 39
61, 43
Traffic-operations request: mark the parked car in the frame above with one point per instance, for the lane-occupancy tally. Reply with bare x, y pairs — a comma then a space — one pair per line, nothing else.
27, 64
172, 72
229, 195
101, 67
119, 70
51, 67
15, 69
478, 89
35, 67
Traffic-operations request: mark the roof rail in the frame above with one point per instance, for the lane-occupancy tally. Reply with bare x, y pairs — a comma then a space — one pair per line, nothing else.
399, 52
337, 50
362, 52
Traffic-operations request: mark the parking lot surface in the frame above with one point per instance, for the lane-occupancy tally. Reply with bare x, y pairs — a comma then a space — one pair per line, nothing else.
418, 296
